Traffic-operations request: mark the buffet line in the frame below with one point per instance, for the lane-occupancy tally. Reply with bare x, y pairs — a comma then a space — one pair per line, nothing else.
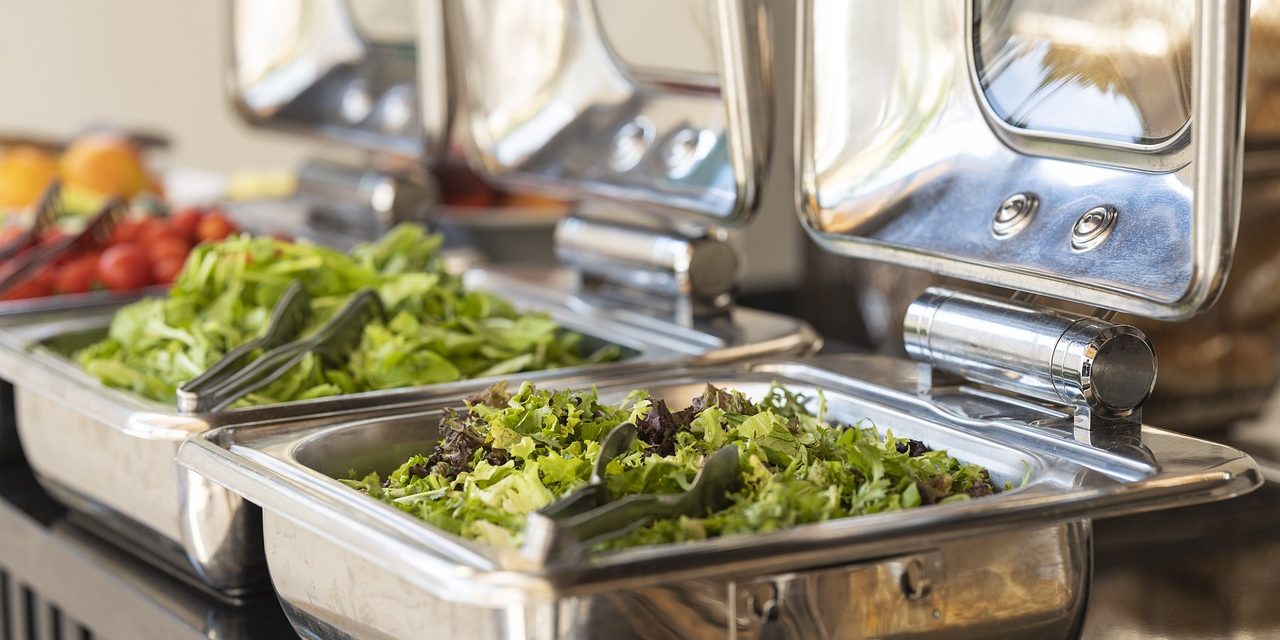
399, 447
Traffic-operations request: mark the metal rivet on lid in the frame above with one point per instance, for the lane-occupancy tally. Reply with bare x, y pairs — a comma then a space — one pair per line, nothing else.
397, 108
685, 150
1093, 227
1014, 214
356, 103
630, 144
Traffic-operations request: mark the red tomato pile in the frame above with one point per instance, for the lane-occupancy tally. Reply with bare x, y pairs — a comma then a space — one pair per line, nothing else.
140, 252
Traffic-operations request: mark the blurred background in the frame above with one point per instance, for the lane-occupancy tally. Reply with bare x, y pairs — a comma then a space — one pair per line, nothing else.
162, 67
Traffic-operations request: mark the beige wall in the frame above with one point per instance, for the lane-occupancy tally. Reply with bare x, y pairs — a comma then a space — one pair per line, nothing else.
146, 63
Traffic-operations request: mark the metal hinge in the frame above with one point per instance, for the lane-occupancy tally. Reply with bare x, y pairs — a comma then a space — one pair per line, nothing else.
363, 202
661, 273
1103, 372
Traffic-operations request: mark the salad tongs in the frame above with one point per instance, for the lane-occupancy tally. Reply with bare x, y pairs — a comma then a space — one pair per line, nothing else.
572, 534
25, 264
288, 319
595, 493
45, 216
332, 343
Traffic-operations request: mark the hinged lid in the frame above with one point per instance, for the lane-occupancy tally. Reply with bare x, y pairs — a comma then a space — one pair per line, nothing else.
369, 73
657, 105
1087, 150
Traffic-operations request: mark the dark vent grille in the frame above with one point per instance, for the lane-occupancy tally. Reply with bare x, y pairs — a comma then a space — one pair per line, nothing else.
25, 615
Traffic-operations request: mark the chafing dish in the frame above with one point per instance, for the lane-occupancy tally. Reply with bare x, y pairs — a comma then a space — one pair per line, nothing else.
918, 156
1016, 564
668, 301
51, 308
367, 73
1221, 366
57, 580
904, 157
110, 454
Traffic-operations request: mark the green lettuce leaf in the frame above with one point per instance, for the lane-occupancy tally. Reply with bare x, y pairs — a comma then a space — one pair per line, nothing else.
435, 330
508, 455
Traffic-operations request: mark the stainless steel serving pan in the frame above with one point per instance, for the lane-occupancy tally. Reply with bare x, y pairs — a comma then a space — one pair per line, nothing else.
58, 580
110, 454
51, 307
1016, 563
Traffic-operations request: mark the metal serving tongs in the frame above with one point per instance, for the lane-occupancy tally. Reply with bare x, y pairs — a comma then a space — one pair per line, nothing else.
95, 233
586, 516
288, 319
595, 493
45, 216
332, 342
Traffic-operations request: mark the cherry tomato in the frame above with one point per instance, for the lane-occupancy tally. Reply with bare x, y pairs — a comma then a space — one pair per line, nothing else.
77, 275
125, 231
167, 246
10, 234
214, 226
185, 222
37, 286
51, 236
150, 229
124, 267
166, 268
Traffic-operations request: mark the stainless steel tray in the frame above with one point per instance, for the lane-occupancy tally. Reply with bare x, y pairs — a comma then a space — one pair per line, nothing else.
1016, 563
21, 311
110, 454
58, 580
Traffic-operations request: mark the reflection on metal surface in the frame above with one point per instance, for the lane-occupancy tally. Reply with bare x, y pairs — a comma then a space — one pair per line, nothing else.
111, 454
385, 21
349, 70
560, 99
361, 201
662, 274
629, 29
1093, 228
1117, 70
1101, 371
1012, 563
898, 161
1215, 369
1203, 572
1014, 214
57, 580
1263, 125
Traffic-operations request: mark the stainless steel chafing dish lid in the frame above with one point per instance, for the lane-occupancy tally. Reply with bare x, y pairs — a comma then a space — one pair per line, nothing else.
369, 73
580, 98
1087, 151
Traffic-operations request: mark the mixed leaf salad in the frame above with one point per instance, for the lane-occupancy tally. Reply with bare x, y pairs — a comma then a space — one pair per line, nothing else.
506, 455
435, 331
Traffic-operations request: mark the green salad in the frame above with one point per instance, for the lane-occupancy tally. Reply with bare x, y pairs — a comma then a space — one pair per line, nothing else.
435, 330
506, 455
